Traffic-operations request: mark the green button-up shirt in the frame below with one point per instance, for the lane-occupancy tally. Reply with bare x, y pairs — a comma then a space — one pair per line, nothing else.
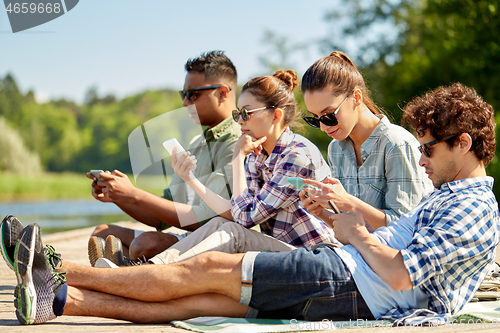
214, 152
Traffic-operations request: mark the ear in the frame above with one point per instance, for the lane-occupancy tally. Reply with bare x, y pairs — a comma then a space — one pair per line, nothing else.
465, 143
278, 116
223, 93
358, 97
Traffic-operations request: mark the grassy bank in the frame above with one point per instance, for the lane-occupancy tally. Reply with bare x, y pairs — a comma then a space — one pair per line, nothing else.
46, 186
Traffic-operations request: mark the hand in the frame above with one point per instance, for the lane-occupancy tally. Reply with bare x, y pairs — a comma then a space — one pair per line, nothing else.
312, 206
248, 144
348, 226
330, 189
117, 187
97, 190
183, 165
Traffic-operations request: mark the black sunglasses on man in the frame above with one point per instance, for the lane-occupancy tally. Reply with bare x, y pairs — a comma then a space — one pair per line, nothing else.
191, 94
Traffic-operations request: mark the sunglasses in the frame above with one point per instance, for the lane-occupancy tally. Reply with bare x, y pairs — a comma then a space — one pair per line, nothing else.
191, 94
245, 113
329, 119
424, 148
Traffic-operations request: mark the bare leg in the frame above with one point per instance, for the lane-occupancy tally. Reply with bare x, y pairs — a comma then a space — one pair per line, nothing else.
211, 272
126, 235
151, 243
82, 302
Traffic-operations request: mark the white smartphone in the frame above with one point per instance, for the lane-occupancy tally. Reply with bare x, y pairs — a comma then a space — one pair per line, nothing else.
95, 173
171, 143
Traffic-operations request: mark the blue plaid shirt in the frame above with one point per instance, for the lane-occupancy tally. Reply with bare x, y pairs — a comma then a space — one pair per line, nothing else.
273, 203
452, 249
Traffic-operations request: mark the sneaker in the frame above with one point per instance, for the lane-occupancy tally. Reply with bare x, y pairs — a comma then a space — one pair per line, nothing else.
38, 281
113, 250
96, 249
10, 230
105, 263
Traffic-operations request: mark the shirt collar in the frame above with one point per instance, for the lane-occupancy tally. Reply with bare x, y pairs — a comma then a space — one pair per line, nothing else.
381, 128
270, 160
220, 129
461, 184
369, 144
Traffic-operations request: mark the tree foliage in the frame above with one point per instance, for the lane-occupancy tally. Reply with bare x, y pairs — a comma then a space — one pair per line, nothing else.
434, 43
69, 137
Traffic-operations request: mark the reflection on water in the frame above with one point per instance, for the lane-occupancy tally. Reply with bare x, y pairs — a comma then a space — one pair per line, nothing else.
54, 216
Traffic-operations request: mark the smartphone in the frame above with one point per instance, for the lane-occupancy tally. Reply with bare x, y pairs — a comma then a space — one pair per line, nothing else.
171, 143
299, 184
96, 173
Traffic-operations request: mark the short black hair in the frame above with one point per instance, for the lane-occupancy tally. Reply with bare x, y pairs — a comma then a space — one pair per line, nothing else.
216, 66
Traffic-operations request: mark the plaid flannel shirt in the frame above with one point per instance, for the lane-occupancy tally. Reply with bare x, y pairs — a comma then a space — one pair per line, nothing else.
452, 250
273, 203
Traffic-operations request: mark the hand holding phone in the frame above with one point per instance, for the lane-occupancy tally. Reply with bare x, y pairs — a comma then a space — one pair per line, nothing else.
299, 184
96, 173
171, 143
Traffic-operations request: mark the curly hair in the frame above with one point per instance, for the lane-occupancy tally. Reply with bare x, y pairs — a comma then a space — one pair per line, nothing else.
452, 110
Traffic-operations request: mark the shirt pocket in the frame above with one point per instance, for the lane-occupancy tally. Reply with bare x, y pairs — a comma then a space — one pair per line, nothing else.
374, 193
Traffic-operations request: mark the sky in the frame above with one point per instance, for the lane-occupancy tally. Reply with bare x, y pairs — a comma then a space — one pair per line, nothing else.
124, 47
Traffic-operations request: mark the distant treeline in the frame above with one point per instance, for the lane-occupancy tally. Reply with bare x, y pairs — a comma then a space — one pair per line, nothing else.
65, 136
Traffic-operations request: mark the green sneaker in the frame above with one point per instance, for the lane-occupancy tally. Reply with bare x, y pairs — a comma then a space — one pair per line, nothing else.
10, 230
38, 281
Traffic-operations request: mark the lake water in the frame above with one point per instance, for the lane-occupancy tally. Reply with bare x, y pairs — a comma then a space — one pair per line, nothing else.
54, 216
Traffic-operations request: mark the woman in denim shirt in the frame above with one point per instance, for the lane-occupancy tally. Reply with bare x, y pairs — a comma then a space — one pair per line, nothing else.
374, 163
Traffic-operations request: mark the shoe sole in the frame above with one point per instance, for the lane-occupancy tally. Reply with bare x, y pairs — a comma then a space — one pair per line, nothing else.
113, 250
95, 249
25, 294
10, 230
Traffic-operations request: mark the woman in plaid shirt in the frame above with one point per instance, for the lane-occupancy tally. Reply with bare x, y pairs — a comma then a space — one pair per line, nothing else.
266, 155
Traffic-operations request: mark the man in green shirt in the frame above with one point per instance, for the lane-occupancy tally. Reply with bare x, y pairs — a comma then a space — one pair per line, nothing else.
210, 92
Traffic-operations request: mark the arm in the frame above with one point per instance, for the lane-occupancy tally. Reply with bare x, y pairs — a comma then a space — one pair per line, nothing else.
149, 208
183, 165
385, 261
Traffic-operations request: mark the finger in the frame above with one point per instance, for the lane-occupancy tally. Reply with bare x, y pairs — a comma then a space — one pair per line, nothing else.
107, 175
119, 173
260, 141
90, 176
329, 180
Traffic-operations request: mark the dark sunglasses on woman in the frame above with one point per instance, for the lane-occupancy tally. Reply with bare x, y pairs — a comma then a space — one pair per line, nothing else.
329, 119
245, 112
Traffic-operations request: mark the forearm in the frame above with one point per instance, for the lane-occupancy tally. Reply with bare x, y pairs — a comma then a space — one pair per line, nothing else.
219, 205
139, 214
385, 261
325, 217
239, 179
175, 214
376, 217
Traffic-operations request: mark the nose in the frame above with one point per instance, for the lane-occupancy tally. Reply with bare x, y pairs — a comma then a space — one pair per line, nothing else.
423, 160
186, 102
240, 120
323, 127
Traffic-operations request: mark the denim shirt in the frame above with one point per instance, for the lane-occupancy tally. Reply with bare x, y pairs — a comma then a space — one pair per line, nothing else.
389, 177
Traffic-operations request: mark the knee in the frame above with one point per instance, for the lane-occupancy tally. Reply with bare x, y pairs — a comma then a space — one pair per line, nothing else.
102, 231
149, 244
208, 260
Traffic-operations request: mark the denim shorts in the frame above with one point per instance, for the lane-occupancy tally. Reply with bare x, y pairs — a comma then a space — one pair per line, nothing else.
304, 285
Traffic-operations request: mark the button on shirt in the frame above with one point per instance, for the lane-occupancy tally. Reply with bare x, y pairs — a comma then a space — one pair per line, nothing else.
389, 177
273, 203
